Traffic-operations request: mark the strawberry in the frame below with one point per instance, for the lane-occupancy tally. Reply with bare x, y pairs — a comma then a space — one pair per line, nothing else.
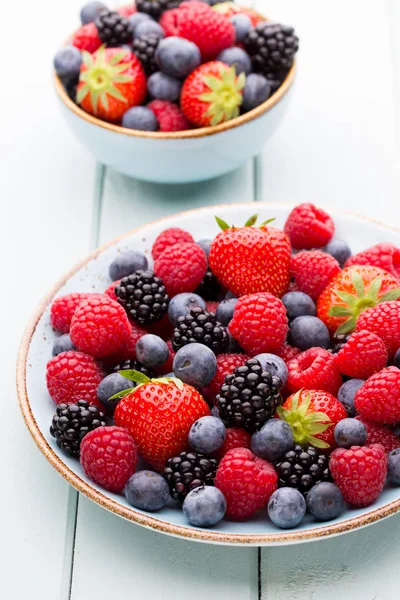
158, 414
251, 259
378, 399
383, 320
351, 292
314, 368
309, 227
111, 81
313, 271
87, 38
228, 9
362, 355
385, 255
212, 94
312, 415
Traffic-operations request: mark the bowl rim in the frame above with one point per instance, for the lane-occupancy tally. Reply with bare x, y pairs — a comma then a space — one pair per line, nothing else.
129, 513
188, 133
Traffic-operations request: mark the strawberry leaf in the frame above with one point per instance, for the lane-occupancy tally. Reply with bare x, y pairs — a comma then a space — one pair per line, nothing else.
135, 376
121, 394
222, 224
340, 311
267, 222
317, 443
251, 221
347, 326
358, 284
390, 296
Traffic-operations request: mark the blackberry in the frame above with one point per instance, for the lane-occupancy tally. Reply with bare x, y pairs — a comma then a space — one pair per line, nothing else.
275, 79
155, 8
249, 396
302, 468
131, 364
144, 48
187, 471
339, 341
210, 288
200, 326
144, 297
271, 47
113, 29
72, 422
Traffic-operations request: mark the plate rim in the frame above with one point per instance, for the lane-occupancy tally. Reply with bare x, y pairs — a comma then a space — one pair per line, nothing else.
129, 513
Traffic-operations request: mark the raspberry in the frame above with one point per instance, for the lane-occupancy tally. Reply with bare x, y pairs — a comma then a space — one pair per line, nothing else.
128, 350
163, 328
314, 369
63, 308
127, 11
379, 434
109, 457
313, 271
235, 438
386, 256
169, 116
169, 237
246, 481
383, 320
100, 327
226, 364
181, 267
87, 38
110, 291
72, 376
359, 472
259, 323
309, 227
167, 366
212, 305
287, 352
362, 355
378, 399
169, 21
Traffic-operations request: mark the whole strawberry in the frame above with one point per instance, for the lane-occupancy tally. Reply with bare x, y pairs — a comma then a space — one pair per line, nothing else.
383, 320
159, 414
309, 227
72, 376
362, 355
378, 399
385, 255
212, 94
314, 369
111, 81
312, 271
251, 259
246, 481
359, 472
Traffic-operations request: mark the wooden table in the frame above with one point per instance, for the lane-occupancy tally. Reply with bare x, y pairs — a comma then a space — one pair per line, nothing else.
338, 146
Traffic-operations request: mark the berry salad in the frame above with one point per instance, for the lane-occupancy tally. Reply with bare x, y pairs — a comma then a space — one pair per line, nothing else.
174, 65
256, 370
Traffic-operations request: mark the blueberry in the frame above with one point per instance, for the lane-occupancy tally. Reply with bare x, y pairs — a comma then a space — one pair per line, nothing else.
195, 364
151, 350
225, 311
205, 245
164, 87
147, 490
229, 295
90, 11
256, 90
339, 250
207, 435
273, 440
63, 344
236, 57
274, 365
394, 466
308, 332
148, 26
181, 304
67, 63
138, 18
127, 263
397, 359
177, 57
286, 507
204, 506
141, 118
325, 501
346, 394
110, 385
215, 412
242, 24
298, 304
350, 432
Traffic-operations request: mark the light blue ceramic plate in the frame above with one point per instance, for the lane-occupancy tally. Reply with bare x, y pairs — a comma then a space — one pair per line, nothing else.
92, 275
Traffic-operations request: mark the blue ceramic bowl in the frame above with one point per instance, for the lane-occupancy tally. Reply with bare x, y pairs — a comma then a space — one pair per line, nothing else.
183, 156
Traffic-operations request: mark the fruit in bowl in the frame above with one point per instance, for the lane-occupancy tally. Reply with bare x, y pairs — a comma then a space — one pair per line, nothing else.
231, 420
171, 71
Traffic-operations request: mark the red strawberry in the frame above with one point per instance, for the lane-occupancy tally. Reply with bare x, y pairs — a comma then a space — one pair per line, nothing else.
351, 292
316, 369
251, 259
383, 320
159, 414
385, 255
259, 323
246, 481
359, 472
235, 438
212, 94
313, 271
288, 352
362, 355
226, 364
111, 81
169, 237
169, 116
309, 227
230, 8
312, 415
63, 308
181, 267
378, 399
73, 376
87, 38
379, 434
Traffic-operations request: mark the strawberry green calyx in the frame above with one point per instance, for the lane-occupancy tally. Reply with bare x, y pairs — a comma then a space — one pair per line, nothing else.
100, 77
356, 303
305, 426
225, 95
251, 221
142, 379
